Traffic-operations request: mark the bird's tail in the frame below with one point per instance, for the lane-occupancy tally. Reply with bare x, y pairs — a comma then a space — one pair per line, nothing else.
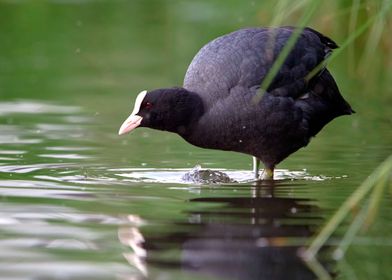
324, 102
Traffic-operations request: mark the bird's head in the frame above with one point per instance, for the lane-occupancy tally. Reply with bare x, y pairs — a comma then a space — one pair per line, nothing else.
164, 109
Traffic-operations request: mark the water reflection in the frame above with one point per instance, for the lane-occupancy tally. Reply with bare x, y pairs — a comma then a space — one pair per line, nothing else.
243, 237
132, 237
235, 229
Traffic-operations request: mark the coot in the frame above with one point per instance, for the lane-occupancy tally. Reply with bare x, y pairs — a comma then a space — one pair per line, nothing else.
221, 105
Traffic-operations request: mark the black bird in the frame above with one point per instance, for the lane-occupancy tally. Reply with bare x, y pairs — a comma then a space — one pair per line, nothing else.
221, 105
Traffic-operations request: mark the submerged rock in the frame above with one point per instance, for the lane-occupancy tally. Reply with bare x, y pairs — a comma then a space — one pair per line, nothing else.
206, 176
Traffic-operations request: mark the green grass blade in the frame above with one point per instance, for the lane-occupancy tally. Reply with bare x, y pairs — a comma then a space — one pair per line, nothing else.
374, 203
383, 170
375, 35
364, 218
349, 40
287, 48
354, 11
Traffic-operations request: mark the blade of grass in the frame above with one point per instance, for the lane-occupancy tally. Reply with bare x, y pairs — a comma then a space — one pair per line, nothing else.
351, 28
316, 267
363, 218
286, 49
348, 237
383, 170
349, 40
374, 39
374, 203
280, 12
296, 6
284, 10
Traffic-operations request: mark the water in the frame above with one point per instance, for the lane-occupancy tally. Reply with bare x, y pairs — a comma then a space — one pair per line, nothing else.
79, 202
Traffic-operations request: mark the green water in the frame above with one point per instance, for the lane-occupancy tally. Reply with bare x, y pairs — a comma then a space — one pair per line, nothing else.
79, 202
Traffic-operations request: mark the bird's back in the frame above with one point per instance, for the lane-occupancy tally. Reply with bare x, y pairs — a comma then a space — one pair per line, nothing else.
244, 57
227, 74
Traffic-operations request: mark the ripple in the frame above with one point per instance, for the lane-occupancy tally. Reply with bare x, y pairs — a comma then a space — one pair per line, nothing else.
35, 107
12, 152
151, 175
60, 131
8, 158
39, 189
60, 148
78, 119
12, 139
45, 127
12, 134
47, 193
64, 156
81, 179
32, 167
72, 269
99, 175
13, 214
32, 184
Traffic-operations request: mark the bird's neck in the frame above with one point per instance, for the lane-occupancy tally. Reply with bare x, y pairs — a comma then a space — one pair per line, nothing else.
186, 113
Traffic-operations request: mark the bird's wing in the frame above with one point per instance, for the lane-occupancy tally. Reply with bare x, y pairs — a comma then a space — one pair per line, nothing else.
243, 59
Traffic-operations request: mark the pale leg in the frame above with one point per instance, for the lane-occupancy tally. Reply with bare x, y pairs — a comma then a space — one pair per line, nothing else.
256, 166
268, 173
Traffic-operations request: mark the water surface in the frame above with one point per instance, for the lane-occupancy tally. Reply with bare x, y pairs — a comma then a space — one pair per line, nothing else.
79, 202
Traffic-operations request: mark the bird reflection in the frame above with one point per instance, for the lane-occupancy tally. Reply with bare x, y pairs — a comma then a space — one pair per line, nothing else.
242, 237
258, 238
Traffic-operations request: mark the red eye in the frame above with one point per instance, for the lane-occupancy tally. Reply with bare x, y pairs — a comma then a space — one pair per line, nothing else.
148, 105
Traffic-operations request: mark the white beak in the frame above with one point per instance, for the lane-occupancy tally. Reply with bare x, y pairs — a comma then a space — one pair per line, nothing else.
130, 124
133, 120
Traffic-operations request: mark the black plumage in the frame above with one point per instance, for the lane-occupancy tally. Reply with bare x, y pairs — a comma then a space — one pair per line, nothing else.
216, 106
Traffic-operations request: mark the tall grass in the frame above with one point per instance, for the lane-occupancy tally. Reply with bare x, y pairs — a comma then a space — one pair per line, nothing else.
359, 26
375, 184
308, 13
368, 48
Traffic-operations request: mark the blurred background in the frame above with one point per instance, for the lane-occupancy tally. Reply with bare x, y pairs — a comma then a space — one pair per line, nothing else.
100, 54
69, 73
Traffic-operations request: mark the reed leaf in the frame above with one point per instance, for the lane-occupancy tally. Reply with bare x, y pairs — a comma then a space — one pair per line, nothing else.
355, 198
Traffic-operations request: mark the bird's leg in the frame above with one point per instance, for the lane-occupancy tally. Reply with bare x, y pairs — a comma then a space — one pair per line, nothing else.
268, 173
256, 165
